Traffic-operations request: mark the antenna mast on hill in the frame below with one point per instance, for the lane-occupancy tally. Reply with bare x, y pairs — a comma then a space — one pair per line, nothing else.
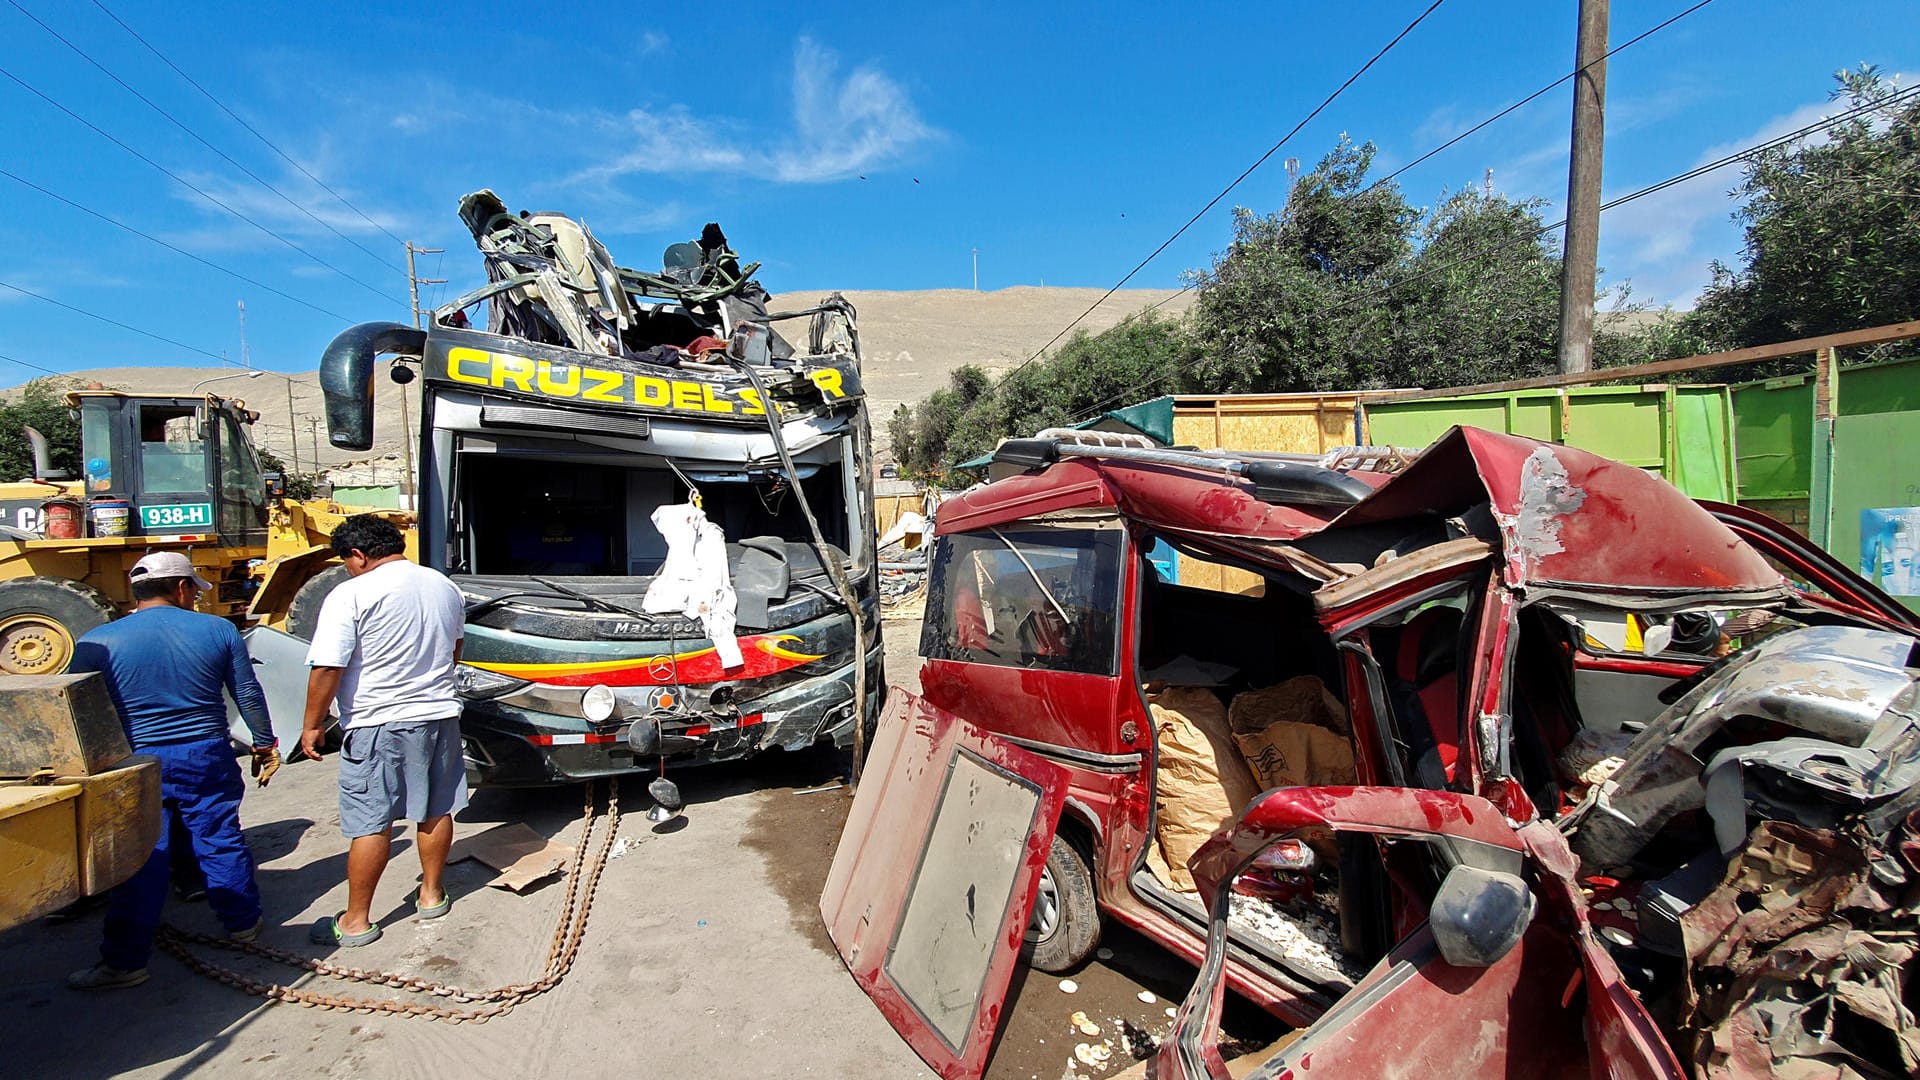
976, 269
246, 359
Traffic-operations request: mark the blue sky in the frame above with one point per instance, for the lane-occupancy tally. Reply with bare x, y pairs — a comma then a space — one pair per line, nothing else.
844, 146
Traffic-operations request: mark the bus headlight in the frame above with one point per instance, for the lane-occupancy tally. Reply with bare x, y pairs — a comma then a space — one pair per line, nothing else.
598, 703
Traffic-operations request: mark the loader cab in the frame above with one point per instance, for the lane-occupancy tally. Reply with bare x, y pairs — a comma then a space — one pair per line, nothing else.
183, 465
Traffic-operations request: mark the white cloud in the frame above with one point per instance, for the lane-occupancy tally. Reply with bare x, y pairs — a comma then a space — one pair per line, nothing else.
858, 124
1658, 240
651, 42
673, 141
841, 127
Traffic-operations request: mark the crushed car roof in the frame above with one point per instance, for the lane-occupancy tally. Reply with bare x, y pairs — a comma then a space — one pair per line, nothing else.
1567, 518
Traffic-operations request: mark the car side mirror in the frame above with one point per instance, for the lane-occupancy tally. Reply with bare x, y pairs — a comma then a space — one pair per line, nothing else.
1478, 916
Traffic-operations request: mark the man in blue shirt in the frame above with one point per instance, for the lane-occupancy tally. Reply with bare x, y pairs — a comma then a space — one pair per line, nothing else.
167, 667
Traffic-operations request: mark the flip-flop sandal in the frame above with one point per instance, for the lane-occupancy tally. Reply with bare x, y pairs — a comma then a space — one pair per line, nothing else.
327, 932
445, 905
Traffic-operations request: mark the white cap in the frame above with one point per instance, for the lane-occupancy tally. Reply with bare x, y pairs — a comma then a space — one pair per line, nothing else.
166, 564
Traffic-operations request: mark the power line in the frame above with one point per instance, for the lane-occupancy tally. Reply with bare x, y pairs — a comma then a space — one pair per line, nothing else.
28, 364
112, 322
170, 247
1479, 253
96, 129
1475, 129
224, 156
1215, 201
208, 94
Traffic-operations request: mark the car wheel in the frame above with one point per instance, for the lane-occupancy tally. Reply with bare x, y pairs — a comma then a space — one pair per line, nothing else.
40, 620
1066, 921
303, 614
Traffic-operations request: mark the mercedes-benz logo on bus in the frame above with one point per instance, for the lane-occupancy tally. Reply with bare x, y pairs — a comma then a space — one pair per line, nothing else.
660, 668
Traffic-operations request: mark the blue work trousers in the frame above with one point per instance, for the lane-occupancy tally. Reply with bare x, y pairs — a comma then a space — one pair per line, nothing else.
200, 789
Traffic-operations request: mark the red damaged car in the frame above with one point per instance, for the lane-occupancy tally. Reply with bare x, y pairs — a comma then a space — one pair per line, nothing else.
1511, 760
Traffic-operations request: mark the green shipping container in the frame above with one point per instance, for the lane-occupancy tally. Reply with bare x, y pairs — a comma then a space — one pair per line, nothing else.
1683, 433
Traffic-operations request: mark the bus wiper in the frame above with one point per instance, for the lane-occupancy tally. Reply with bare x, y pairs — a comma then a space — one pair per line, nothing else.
590, 599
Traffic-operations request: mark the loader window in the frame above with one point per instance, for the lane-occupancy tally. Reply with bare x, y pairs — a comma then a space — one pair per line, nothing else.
172, 456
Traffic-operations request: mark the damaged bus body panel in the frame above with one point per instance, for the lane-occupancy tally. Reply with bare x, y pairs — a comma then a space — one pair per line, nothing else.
655, 507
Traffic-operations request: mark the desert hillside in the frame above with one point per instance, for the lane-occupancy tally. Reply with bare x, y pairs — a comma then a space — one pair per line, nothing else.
911, 340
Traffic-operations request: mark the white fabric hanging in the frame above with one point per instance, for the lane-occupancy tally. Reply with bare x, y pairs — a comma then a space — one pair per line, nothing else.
693, 581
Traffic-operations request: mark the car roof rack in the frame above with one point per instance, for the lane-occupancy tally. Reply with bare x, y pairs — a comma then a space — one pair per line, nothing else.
1277, 478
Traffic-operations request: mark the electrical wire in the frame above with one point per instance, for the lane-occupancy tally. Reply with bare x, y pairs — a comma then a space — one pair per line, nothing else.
1224, 192
224, 156
1480, 253
177, 178
29, 364
235, 274
250, 128
112, 322
1502, 114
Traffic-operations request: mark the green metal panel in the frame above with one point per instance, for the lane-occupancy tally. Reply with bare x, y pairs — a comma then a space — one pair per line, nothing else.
1681, 433
1893, 386
1773, 422
1703, 457
372, 496
1874, 469
1773, 430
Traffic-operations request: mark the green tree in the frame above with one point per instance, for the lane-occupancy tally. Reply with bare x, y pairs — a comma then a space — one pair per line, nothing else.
1832, 230
40, 404
1288, 305
1479, 301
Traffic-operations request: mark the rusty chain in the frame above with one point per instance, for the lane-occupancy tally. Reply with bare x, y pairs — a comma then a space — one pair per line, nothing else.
575, 906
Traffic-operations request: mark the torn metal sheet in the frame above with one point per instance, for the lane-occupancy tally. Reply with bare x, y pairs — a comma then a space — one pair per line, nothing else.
1799, 965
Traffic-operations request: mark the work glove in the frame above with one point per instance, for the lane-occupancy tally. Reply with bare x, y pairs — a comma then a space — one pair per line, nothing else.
266, 762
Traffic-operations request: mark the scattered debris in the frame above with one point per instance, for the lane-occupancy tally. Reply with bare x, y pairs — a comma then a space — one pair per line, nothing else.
625, 844
1146, 997
1093, 1054
1068, 986
1302, 934
1103, 953
1086, 1026
834, 786
521, 855
1139, 1042
1172, 1012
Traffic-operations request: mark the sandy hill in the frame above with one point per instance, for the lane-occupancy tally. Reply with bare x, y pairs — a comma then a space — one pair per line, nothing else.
911, 341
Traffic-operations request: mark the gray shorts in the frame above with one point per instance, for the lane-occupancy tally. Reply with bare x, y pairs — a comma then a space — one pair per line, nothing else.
400, 772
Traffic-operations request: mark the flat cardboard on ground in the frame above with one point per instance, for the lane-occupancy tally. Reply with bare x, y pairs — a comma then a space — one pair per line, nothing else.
522, 856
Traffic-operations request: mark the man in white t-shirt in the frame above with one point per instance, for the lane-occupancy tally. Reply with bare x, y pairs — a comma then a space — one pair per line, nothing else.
384, 650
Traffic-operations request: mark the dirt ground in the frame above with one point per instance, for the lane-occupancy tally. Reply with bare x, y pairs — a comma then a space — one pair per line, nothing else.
704, 955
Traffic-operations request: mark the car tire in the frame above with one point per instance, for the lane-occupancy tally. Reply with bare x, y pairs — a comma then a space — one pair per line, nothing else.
303, 615
40, 620
1066, 919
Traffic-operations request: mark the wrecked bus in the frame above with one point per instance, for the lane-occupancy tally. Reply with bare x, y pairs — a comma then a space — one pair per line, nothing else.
659, 511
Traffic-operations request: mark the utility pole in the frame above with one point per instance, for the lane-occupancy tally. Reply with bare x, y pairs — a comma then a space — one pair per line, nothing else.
976, 269
293, 436
313, 424
1580, 256
414, 281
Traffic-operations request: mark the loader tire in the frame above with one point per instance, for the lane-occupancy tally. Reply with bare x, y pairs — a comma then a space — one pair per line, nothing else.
41, 619
303, 615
